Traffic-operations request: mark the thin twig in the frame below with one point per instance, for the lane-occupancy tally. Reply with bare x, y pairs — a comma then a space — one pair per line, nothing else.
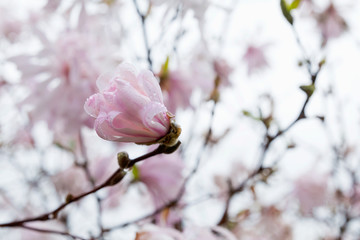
115, 178
41, 230
85, 167
146, 41
269, 139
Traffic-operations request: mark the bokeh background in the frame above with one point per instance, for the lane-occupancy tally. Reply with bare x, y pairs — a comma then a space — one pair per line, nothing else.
52, 52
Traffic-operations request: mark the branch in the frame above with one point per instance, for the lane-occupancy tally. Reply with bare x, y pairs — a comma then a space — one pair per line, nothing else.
85, 168
175, 201
269, 139
115, 178
146, 41
41, 230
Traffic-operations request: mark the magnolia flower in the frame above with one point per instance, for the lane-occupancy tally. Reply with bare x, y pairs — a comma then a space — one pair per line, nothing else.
162, 176
223, 70
72, 180
100, 169
60, 78
209, 72
331, 24
177, 89
130, 108
52, 5
255, 58
237, 174
23, 137
311, 191
10, 27
204, 72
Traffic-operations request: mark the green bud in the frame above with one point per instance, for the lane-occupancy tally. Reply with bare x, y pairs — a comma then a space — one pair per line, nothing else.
308, 89
295, 4
250, 115
322, 62
136, 173
247, 113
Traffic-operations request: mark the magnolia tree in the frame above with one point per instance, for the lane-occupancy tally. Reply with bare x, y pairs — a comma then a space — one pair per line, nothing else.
180, 119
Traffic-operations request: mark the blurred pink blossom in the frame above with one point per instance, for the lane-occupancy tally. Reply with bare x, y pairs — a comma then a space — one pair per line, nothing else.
170, 217
331, 23
23, 137
177, 89
204, 70
237, 174
163, 177
101, 168
255, 58
60, 78
10, 27
129, 107
311, 190
52, 5
3, 81
223, 70
71, 181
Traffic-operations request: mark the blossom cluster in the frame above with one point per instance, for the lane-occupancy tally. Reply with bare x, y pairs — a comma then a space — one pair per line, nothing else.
179, 120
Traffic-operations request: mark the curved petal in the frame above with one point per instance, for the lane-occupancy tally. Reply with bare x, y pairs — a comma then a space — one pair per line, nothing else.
151, 86
92, 104
154, 118
104, 130
104, 80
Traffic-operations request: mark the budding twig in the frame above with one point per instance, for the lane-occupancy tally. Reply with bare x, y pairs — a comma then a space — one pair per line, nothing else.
114, 179
269, 139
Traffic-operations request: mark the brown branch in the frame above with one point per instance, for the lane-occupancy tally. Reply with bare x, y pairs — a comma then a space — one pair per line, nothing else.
49, 231
269, 139
85, 168
170, 204
146, 41
115, 178
150, 215
178, 196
